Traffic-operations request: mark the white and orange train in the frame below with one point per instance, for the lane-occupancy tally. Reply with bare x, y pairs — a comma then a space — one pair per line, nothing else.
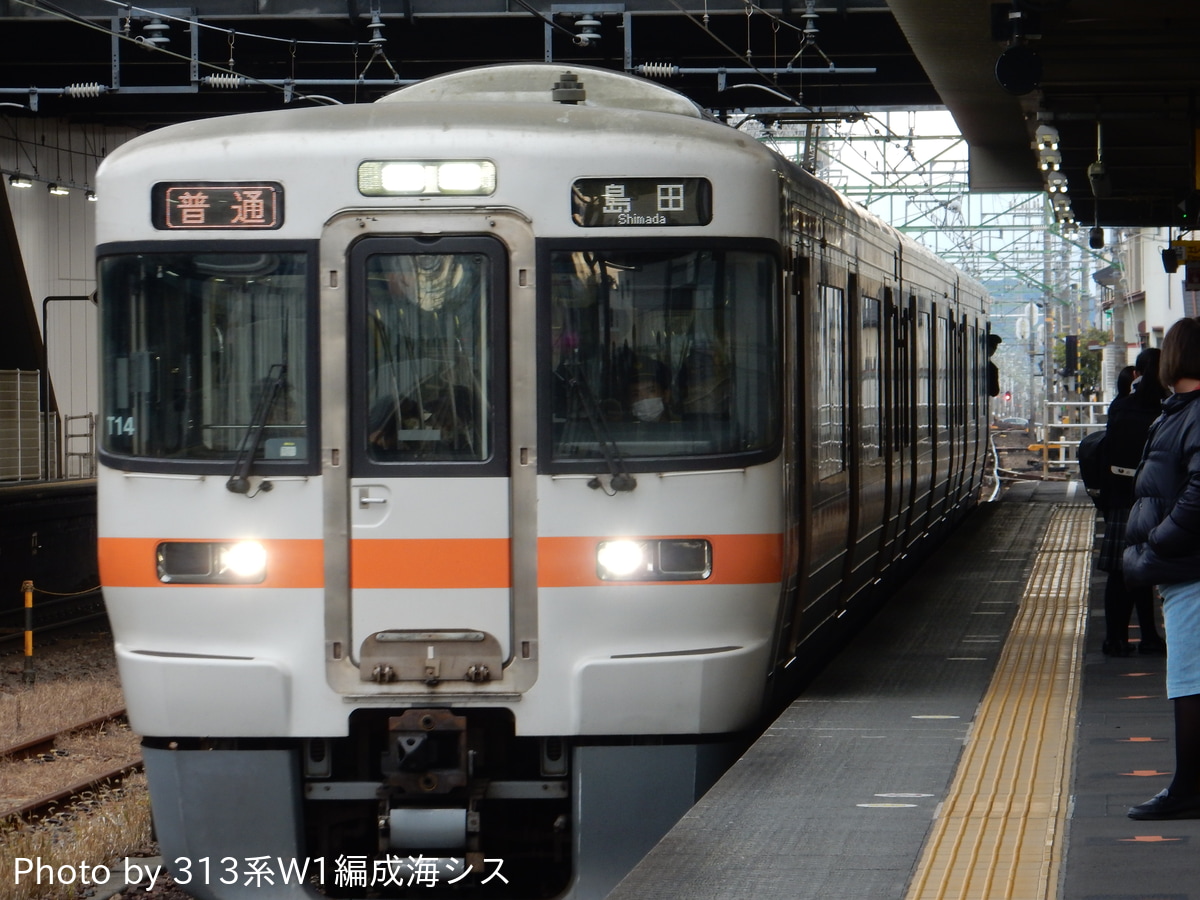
478, 462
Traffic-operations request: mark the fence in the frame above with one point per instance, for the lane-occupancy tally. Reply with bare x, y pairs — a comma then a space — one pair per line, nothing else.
1064, 425
20, 426
29, 442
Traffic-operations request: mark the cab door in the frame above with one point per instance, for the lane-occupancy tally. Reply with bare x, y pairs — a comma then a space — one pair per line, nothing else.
429, 506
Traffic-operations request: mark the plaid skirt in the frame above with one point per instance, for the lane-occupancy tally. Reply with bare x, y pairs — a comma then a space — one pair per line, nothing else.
1113, 544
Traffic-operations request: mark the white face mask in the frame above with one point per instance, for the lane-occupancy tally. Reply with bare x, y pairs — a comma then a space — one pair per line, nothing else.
648, 410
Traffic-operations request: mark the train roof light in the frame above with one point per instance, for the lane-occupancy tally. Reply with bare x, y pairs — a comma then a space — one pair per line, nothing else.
402, 178
424, 178
466, 178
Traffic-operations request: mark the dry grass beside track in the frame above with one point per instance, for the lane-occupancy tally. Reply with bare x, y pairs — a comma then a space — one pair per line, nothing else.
75, 680
111, 824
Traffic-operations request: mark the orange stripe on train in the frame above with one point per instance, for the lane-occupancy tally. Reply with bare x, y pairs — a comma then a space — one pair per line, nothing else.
430, 563
446, 563
737, 559
131, 562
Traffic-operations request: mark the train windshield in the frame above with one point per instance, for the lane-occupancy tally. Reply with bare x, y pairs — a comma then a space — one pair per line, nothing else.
663, 353
203, 350
427, 357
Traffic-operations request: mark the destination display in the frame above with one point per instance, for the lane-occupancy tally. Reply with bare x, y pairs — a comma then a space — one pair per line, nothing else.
641, 202
206, 205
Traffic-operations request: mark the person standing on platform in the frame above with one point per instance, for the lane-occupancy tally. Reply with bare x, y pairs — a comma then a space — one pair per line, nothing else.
993, 372
1163, 549
1130, 416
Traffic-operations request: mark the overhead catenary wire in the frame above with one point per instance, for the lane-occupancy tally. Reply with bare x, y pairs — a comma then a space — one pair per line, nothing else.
158, 14
549, 22
284, 86
728, 49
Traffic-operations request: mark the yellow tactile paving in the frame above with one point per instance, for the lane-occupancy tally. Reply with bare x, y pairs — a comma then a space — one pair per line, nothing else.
1000, 831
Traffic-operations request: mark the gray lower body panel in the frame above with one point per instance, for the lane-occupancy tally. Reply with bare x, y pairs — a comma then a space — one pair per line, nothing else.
219, 813
627, 797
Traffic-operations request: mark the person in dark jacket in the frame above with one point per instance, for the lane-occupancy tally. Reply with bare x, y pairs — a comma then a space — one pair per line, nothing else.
1130, 416
1163, 549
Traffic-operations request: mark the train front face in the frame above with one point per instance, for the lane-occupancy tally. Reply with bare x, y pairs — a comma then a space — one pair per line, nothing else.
440, 526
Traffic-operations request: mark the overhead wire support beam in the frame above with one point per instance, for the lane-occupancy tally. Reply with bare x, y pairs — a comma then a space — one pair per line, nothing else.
721, 71
118, 34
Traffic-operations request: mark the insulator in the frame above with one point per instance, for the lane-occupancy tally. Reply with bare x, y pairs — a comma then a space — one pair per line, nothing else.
86, 89
809, 17
156, 32
376, 26
589, 29
229, 82
657, 70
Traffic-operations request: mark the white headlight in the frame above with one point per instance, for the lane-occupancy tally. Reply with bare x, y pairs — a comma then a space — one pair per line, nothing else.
246, 559
654, 559
463, 177
403, 178
426, 177
620, 558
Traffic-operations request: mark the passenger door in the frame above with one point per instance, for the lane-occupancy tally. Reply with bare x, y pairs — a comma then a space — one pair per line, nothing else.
429, 490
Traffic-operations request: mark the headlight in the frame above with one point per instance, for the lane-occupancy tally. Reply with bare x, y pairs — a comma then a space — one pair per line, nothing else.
426, 177
620, 559
217, 562
246, 559
655, 560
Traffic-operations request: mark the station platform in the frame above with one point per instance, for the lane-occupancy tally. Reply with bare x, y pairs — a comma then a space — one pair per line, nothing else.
971, 742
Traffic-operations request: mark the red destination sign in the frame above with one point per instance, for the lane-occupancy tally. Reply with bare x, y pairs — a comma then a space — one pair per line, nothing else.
207, 205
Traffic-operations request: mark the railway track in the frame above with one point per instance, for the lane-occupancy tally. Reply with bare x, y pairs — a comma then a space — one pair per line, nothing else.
43, 746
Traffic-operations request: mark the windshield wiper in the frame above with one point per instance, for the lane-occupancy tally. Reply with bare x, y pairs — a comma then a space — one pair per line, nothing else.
239, 481
620, 480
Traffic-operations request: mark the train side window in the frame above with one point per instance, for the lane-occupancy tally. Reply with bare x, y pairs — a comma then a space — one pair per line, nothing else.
831, 381
872, 438
925, 412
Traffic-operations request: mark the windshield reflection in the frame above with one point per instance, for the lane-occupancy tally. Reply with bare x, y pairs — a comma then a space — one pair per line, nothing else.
662, 354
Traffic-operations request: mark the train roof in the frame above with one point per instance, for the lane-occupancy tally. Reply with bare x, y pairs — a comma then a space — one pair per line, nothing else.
472, 98
548, 83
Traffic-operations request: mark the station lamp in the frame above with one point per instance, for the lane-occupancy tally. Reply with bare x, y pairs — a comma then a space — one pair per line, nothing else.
1045, 138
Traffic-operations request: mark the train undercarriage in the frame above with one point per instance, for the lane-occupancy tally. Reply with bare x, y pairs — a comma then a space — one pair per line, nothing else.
421, 802
433, 799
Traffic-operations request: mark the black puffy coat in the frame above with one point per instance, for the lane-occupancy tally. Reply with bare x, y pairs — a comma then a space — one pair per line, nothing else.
1163, 534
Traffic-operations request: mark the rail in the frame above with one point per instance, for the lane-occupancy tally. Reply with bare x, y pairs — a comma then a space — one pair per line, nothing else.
40, 806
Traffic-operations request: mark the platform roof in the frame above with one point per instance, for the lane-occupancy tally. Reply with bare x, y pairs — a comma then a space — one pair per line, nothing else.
1117, 80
